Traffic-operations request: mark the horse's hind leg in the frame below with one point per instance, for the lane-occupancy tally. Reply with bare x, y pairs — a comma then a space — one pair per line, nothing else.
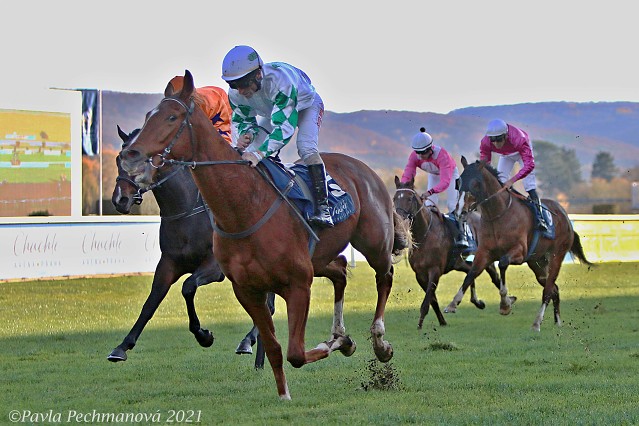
205, 274
547, 273
336, 273
163, 279
383, 349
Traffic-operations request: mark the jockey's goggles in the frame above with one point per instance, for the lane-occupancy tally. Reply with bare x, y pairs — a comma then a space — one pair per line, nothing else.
424, 151
242, 83
497, 138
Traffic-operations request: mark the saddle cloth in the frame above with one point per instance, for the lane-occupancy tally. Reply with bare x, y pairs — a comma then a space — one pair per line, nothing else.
550, 234
340, 203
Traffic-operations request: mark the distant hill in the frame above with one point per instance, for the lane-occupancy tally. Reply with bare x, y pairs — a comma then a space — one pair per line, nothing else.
382, 138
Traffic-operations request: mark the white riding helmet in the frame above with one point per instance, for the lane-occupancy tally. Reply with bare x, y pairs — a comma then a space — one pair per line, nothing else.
497, 128
422, 140
240, 61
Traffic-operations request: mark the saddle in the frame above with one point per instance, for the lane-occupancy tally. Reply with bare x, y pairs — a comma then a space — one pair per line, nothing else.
294, 182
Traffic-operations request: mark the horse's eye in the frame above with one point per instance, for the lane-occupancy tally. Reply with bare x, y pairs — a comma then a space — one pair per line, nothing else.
172, 118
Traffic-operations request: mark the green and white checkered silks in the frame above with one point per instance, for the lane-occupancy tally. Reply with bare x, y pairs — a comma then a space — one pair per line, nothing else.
284, 118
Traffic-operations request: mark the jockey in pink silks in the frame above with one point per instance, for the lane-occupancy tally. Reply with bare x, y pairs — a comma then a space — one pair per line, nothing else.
442, 176
514, 146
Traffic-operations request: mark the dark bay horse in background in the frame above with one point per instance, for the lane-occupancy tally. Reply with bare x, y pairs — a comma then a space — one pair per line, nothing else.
185, 242
271, 252
432, 253
508, 235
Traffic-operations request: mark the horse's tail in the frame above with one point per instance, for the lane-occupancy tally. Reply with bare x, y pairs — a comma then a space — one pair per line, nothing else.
403, 237
578, 250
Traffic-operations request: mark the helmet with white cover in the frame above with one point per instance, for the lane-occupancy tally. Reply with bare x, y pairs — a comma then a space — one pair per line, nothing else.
497, 128
422, 140
240, 61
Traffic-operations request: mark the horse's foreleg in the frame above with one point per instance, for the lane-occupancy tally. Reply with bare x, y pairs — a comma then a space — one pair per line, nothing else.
506, 302
256, 307
245, 347
464, 266
382, 348
163, 279
479, 264
206, 273
423, 282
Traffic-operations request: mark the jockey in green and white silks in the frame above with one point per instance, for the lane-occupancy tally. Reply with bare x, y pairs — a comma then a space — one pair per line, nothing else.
278, 98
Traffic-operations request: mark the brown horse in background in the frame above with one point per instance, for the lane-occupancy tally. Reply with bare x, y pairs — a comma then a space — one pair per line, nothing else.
507, 234
432, 253
265, 246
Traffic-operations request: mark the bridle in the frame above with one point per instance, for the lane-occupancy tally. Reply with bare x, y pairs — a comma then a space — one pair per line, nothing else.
137, 198
410, 215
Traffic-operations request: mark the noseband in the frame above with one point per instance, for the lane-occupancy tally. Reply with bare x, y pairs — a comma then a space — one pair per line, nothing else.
137, 198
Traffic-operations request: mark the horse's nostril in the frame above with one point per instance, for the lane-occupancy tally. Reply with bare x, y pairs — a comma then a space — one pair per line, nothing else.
130, 154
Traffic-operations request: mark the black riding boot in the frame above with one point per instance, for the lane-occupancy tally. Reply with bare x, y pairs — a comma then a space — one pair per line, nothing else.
322, 216
461, 240
535, 199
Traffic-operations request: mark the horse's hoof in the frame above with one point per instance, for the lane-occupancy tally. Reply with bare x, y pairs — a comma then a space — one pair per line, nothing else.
384, 354
204, 338
480, 304
536, 327
117, 355
513, 299
348, 348
244, 348
450, 310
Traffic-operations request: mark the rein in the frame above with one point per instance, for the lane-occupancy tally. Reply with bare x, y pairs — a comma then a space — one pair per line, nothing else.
478, 204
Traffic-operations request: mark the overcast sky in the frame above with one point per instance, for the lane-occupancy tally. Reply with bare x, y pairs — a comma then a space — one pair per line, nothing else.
416, 55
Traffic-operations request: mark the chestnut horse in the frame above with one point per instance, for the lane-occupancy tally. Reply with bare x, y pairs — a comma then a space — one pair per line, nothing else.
507, 234
264, 246
186, 245
432, 254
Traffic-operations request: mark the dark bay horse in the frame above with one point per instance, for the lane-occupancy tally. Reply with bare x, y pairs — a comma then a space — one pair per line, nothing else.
507, 234
185, 243
432, 253
266, 246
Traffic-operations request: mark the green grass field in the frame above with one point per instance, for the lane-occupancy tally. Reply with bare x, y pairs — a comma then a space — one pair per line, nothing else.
481, 369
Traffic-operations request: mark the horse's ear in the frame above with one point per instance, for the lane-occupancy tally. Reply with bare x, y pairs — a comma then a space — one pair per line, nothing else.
397, 182
188, 88
169, 90
464, 161
122, 135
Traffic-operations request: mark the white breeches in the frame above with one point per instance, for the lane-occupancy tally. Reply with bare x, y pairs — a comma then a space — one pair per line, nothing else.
505, 167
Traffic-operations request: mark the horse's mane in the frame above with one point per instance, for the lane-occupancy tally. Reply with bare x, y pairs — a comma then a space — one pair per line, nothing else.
493, 171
